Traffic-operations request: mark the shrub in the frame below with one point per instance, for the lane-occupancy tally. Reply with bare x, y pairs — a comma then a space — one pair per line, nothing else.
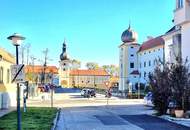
160, 84
180, 84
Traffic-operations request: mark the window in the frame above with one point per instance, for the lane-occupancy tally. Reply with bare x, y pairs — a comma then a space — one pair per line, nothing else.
179, 4
144, 74
64, 63
145, 64
131, 65
140, 65
149, 51
132, 55
1, 75
132, 47
8, 75
144, 53
149, 63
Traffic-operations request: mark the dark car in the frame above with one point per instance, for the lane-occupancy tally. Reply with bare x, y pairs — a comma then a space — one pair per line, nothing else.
89, 93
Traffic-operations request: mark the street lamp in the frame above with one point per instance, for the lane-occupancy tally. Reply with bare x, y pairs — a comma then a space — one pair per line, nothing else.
16, 41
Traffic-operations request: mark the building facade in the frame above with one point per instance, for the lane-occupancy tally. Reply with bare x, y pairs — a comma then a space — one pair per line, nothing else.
89, 78
128, 59
7, 89
138, 61
65, 66
150, 53
177, 38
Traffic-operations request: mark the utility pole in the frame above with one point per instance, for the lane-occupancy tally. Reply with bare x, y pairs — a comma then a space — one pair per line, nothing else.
45, 64
33, 59
27, 52
22, 53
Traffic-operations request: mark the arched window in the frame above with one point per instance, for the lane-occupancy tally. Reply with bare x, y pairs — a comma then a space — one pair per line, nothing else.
1, 75
8, 75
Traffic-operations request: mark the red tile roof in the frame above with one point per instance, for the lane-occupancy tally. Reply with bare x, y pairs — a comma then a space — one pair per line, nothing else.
89, 72
135, 72
39, 69
158, 41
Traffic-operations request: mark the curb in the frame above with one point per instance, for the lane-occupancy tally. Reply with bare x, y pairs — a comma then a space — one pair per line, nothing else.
54, 123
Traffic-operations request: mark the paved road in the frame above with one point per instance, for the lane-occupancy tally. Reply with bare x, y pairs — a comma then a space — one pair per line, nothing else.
80, 113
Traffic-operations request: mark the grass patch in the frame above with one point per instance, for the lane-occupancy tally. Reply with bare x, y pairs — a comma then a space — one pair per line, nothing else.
36, 118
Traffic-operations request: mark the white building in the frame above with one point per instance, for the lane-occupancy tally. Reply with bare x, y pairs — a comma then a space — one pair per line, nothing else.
150, 53
137, 61
177, 39
128, 62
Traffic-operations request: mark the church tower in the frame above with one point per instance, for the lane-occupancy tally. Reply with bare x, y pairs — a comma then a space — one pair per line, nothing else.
128, 59
64, 67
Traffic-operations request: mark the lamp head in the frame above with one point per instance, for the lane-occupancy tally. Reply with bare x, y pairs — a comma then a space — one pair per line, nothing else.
16, 39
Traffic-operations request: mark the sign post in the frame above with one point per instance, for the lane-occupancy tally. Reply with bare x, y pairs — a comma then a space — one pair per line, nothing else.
108, 91
17, 73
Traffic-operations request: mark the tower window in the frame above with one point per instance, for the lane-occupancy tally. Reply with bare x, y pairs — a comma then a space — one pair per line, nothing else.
149, 63
132, 65
145, 64
64, 63
132, 47
140, 65
132, 55
144, 74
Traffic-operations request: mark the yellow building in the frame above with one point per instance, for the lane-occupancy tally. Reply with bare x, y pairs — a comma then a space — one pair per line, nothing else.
7, 89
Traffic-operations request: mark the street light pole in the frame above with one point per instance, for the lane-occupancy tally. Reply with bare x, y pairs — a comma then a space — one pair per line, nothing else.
16, 40
18, 95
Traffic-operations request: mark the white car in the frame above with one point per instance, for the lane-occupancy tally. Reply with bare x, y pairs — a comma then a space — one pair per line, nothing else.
83, 91
148, 99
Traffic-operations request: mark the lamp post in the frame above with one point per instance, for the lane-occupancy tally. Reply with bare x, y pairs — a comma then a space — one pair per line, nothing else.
16, 41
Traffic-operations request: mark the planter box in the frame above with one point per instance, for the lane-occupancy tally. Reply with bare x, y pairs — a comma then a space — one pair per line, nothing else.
179, 113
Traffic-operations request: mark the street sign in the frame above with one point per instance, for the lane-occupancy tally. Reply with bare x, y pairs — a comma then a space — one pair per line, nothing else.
17, 73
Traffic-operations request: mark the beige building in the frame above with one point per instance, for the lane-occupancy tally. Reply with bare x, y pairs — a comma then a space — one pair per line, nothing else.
7, 89
88, 78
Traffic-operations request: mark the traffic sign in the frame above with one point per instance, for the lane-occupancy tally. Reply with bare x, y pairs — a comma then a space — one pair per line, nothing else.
17, 73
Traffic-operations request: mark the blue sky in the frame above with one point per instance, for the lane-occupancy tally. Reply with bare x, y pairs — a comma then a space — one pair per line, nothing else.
92, 28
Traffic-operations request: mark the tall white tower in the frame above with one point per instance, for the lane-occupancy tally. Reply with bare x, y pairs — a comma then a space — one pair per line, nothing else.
128, 58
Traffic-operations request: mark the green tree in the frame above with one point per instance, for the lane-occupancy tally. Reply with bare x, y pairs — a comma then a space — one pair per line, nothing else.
111, 69
76, 64
92, 65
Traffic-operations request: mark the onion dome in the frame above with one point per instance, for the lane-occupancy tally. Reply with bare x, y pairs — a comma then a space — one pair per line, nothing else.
129, 35
64, 55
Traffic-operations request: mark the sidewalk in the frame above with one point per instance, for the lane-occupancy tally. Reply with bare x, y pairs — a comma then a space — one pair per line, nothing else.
6, 111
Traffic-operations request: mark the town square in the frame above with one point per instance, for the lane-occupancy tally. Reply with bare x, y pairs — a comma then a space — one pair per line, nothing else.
95, 65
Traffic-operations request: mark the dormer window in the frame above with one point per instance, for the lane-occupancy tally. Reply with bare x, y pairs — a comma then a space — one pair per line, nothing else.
179, 4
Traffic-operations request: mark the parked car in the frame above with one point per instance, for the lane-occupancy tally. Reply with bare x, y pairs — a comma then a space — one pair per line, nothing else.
83, 91
148, 101
88, 92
